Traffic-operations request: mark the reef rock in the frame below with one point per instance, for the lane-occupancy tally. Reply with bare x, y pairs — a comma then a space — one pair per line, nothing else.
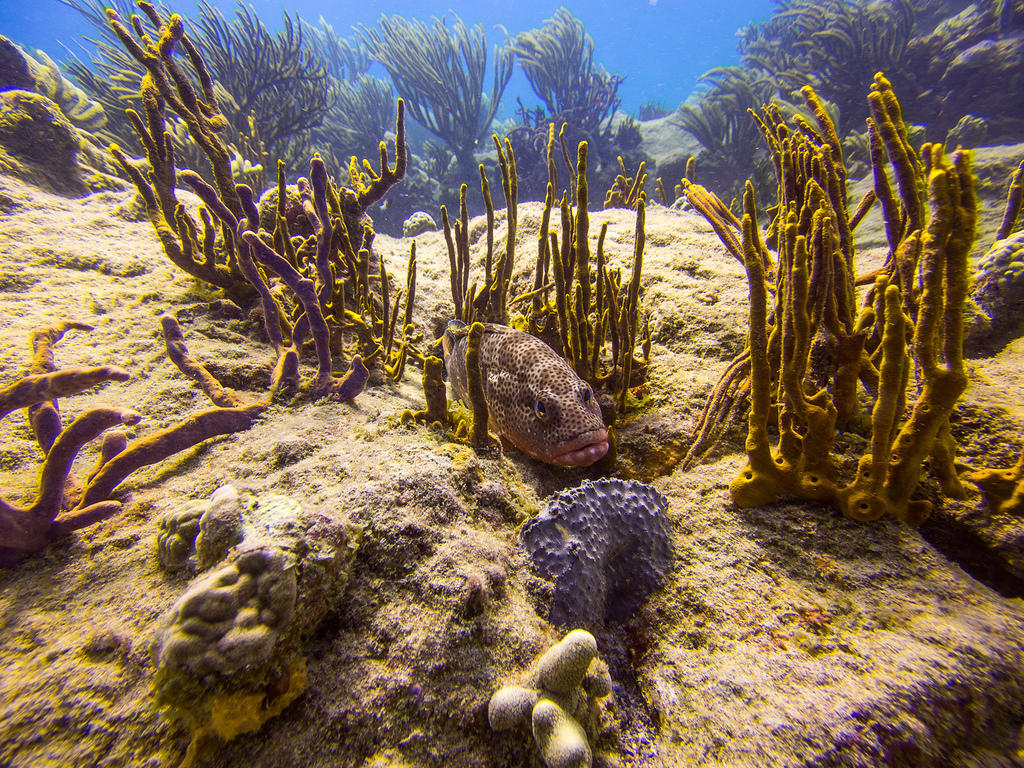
793, 636
999, 292
228, 652
605, 545
14, 72
38, 144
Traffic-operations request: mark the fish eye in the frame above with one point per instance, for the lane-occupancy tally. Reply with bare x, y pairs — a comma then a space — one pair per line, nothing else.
585, 395
540, 409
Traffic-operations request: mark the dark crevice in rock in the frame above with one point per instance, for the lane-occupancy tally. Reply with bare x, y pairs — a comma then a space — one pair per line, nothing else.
638, 722
960, 542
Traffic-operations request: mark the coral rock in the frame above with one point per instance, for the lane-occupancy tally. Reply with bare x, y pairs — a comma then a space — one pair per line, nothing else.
176, 536
220, 527
510, 706
999, 291
418, 223
14, 72
228, 652
232, 617
561, 740
563, 667
37, 143
605, 545
559, 704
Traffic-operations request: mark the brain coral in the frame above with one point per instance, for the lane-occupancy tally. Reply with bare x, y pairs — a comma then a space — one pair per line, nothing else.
231, 618
605, 545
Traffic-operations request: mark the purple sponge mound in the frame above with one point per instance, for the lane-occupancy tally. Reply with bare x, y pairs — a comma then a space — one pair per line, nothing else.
605, 545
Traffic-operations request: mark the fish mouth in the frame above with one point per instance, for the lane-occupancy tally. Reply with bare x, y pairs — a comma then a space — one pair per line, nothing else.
588, 448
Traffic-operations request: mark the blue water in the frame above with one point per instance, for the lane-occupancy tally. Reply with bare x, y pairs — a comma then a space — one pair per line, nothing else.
662, 46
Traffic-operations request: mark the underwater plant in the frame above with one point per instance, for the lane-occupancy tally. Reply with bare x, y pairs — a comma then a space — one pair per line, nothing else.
806, 356
834, 46
110, 75
489, 303
440, 72
271, 87
336, 253
627, 190
558, 61
721, 122
362, 112
652, 110
1003, 489
347, 58
589, 315
592, 315
275, 82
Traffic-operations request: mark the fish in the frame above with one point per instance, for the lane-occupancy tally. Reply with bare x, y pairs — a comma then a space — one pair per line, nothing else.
535, 401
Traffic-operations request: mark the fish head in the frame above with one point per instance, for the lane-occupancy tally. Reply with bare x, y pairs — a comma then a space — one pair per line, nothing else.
558, 417
453, 345
453, 333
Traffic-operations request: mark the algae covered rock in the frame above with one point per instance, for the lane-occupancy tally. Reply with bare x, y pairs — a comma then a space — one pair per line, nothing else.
999, 292
557, 700
605, 545
203, 532
229, 651
38, 143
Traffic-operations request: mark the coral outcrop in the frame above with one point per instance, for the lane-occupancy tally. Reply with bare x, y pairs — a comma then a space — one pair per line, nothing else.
228, 652
558, 698
418, 223
38, 143
999, 292
605, 545
176, 536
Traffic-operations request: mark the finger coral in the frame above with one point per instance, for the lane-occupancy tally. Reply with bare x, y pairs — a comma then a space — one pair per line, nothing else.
557, 698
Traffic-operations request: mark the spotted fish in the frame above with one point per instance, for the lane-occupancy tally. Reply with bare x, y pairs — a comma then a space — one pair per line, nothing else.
535, 400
